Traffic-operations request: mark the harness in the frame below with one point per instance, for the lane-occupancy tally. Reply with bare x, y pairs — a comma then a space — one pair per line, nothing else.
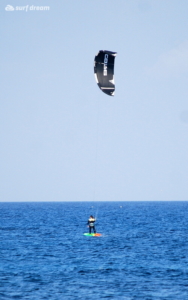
91, 222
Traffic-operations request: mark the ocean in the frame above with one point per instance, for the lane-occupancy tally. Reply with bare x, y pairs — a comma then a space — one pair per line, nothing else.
142, 253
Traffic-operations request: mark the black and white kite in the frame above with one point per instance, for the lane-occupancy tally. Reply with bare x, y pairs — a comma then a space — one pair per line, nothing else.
104, 71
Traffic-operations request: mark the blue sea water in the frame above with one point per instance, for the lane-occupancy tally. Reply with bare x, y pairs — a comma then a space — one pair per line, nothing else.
142, 253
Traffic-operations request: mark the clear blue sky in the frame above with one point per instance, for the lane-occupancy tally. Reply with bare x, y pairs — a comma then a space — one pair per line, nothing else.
62, 139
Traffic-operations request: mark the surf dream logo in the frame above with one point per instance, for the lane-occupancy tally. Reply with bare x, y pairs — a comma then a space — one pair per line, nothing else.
9, 8
27, 8
105, 64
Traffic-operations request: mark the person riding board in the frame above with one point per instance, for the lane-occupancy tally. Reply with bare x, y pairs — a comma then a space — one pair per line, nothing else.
91, 224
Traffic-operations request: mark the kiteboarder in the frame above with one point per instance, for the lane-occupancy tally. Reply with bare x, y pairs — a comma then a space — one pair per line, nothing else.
91, 224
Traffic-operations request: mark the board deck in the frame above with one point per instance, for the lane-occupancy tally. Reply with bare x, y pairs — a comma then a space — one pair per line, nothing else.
92, 234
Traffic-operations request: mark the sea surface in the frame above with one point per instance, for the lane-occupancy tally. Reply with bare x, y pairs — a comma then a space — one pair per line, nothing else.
142, 253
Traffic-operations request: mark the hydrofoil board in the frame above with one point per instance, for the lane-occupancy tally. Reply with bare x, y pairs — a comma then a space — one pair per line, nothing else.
92, 234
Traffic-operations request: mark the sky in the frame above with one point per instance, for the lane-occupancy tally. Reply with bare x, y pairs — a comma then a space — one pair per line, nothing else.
62, 139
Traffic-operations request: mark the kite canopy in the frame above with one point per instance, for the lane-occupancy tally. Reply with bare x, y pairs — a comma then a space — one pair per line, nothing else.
104, 71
